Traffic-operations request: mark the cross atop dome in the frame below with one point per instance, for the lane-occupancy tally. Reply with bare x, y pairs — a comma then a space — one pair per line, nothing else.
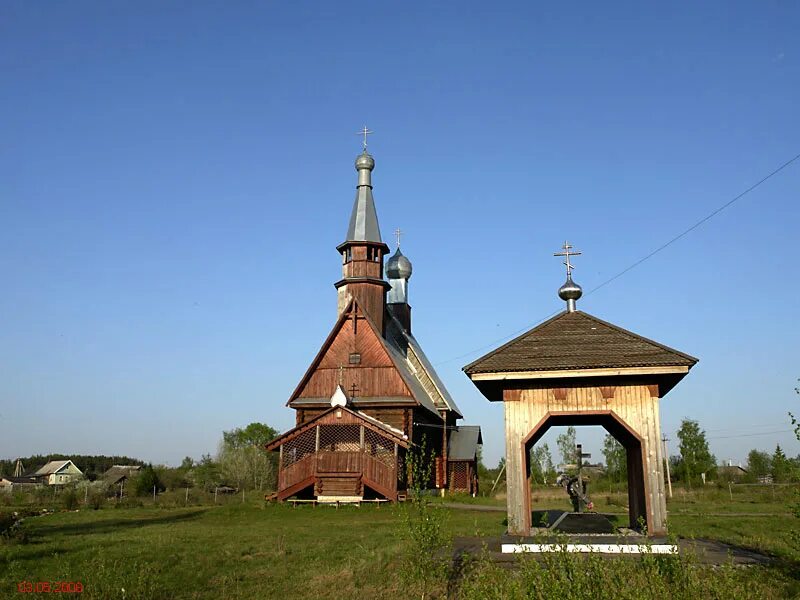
566, 253
365, 132
570, 291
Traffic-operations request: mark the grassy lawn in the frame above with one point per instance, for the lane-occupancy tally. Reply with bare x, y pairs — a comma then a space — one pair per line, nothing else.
253, 550
236, 551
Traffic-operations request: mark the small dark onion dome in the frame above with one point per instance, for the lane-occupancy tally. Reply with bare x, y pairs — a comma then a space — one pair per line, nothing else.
365, 161
570, 290
398, 266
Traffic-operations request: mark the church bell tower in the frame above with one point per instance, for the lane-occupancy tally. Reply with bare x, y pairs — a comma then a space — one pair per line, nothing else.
363, 251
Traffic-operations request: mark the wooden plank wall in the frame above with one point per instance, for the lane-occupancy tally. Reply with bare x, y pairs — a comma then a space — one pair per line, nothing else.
633, 404
375, 375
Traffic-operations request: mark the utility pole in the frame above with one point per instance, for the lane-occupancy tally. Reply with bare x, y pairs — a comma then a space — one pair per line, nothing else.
665, 439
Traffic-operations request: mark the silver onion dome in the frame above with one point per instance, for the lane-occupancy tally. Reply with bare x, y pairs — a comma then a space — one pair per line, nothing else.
398, 266
570, 292
365, 161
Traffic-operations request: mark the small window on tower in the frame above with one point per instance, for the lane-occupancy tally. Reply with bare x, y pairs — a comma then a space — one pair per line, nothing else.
355, 358
348, 255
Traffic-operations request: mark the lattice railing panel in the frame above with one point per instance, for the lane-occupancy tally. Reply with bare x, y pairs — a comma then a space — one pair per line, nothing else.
340, 438
379, 447
298, 448
459, 475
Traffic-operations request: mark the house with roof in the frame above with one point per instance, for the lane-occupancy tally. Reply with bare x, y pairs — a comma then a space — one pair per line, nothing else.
11, 483
371, 394
58, 472
120, 474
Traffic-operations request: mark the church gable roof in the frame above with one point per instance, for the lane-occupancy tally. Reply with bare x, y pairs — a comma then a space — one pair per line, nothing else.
577, 340
381, 374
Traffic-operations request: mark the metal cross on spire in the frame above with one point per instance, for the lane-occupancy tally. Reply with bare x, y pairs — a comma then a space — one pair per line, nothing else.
365, 132
398, 233
566, 253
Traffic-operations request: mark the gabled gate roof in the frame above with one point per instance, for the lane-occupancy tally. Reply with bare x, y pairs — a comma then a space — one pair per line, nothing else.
577, 340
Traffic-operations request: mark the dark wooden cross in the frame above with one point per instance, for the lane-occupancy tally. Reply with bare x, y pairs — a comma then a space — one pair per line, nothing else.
353, 390
581, 455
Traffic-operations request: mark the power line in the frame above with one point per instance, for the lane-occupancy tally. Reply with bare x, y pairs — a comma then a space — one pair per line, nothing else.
742, 435
709, 216
747, 428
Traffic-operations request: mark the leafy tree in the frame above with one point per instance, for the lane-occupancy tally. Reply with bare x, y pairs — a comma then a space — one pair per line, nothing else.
146, 480
616, 458
255, 434
781, 467
695, 455
242, 457
541, 463
566, 443
172, 478
759, 464
206, 473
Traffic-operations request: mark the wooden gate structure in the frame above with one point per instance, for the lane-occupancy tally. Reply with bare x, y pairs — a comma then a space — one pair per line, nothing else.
576, 369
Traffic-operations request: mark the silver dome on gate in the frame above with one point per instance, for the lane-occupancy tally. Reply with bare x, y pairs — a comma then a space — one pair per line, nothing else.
570, 290
398, 266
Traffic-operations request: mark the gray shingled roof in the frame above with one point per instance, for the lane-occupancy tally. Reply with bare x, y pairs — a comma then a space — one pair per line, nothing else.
52, 467
402, 340
463, 442
364, 220
411, 380
117, 472
577, 340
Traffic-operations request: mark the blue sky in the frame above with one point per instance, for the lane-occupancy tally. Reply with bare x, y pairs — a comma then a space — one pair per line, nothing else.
174, 178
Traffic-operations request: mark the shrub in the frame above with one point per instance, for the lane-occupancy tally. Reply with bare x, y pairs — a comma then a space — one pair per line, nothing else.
425, 563
593, 577
146, 481
69, 498
11, 528
97, 499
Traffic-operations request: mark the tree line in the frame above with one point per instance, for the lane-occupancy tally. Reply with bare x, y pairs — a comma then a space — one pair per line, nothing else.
240, 463
92, 465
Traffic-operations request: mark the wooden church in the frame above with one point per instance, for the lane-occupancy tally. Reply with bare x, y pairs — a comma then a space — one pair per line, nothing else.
370, 394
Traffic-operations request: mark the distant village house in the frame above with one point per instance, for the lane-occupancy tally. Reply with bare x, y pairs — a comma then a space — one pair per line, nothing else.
58, 472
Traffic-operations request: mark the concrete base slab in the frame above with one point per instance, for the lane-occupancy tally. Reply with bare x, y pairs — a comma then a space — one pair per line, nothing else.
598, 548
339, 499
707, 551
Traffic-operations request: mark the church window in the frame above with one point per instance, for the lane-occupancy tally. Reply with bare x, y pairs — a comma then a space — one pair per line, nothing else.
348, 255
355, 358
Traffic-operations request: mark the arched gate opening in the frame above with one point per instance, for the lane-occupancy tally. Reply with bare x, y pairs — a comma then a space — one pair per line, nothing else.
638, 501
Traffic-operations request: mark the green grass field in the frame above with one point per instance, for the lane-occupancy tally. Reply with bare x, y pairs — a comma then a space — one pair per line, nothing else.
255, 550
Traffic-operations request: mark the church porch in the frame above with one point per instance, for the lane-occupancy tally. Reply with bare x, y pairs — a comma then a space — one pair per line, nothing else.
342, 455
